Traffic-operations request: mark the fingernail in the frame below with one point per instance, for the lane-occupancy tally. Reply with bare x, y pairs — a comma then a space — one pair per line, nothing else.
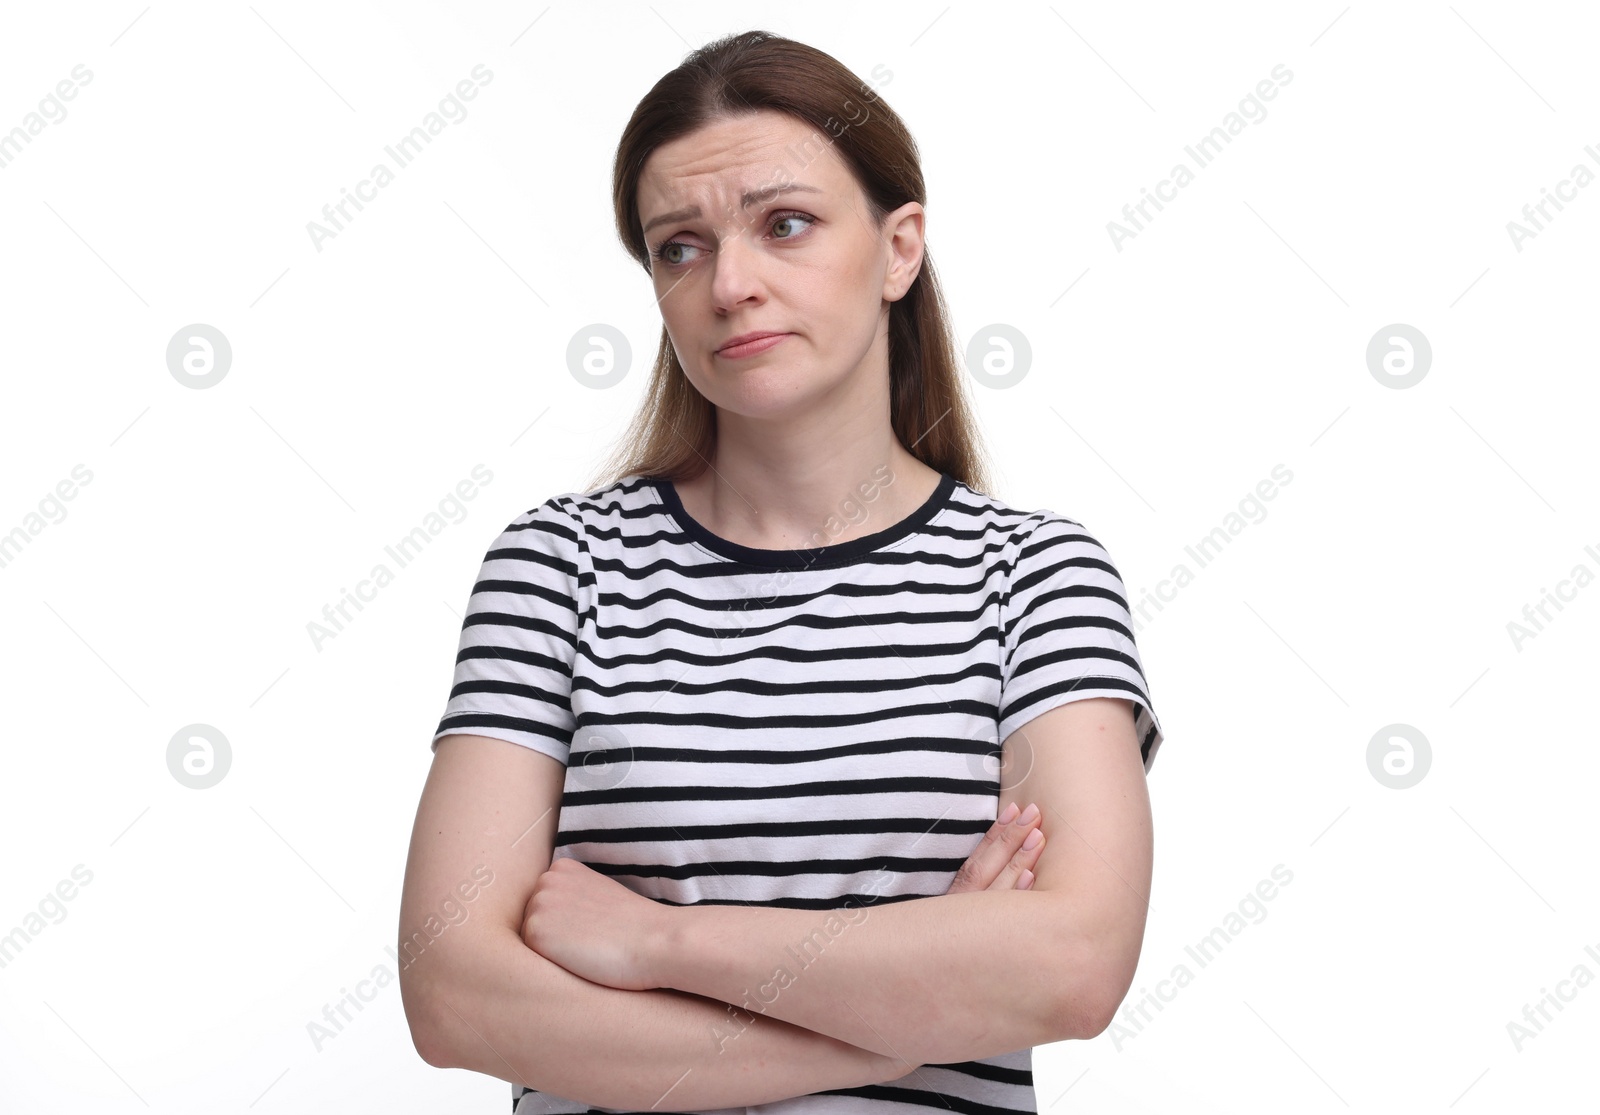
1009, 815
1029, 814
1033, 839
1025, 881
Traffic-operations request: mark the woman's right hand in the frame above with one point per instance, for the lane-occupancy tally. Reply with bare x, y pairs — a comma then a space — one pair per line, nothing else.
1000, 862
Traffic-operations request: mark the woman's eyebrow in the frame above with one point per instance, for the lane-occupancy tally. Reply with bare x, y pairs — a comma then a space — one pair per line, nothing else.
747, 199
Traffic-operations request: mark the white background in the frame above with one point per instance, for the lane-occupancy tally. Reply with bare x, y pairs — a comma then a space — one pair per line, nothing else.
430, 335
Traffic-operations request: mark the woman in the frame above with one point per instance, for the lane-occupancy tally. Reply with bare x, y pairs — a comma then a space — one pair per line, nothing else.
717, 722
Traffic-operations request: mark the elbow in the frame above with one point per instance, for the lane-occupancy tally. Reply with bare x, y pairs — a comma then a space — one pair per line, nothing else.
1092, 990
1086, 1010
432, 1052
1083, 1021
422, 1018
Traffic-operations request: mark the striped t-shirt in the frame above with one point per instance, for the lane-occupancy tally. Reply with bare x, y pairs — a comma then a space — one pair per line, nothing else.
810, 729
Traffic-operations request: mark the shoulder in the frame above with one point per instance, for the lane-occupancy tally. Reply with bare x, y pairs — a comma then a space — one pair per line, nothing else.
1051, 560
578, 515
620, 506
1002, 522
1030, 544
1052, 539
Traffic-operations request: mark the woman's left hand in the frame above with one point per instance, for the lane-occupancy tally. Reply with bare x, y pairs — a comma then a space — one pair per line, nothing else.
593, 926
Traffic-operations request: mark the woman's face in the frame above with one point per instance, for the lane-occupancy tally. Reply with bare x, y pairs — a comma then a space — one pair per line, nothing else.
755, 224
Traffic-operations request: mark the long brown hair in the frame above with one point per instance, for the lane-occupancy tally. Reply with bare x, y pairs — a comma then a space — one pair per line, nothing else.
674, 432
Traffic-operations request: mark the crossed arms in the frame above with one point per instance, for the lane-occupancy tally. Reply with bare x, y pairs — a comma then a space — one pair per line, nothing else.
733, 1017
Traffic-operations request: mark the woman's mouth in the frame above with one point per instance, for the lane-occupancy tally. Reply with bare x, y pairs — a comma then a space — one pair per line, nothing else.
752, 348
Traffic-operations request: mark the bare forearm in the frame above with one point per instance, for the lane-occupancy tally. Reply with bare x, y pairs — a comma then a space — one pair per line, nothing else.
511, 1013
949, 978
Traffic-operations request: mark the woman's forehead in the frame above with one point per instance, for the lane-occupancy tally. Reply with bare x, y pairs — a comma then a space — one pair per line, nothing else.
735, 162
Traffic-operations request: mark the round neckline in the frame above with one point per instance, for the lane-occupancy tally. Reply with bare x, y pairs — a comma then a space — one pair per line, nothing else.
836, 553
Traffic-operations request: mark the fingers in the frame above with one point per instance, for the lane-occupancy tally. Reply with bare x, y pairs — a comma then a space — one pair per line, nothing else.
1026, 858
1001, 859
1025, 841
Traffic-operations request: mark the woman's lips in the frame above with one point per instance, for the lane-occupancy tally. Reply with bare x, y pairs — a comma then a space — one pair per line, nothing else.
752, 348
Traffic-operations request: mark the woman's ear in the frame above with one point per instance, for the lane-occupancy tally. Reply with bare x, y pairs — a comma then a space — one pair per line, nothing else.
904, 230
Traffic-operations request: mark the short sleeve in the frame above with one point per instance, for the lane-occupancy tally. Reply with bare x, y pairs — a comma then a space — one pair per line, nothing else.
1066, 632
519, 640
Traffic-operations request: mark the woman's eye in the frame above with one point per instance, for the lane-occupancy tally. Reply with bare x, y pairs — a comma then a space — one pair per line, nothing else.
660, 254
786, 220
789, 218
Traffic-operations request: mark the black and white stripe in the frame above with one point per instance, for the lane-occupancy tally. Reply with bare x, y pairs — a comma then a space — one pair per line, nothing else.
797, 728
